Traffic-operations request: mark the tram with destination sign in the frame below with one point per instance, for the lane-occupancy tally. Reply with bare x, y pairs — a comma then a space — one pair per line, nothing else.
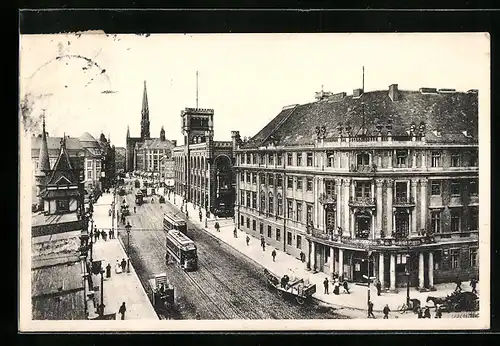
182, 249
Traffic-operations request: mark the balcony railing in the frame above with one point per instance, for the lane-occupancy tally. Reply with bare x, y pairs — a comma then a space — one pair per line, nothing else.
403, 201
363, 168
362, 201
327, 199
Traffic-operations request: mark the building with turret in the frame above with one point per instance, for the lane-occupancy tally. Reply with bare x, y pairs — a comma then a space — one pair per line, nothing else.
143, 154
203, 168
374, 184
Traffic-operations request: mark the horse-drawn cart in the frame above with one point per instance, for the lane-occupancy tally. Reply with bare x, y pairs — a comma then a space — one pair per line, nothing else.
300, 290
456, 302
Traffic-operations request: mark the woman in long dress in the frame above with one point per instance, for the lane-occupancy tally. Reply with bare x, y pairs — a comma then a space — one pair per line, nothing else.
118, 267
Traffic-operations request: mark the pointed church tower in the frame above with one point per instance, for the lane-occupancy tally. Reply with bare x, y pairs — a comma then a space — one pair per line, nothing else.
43, 168
128, 131
145, 115
162, 134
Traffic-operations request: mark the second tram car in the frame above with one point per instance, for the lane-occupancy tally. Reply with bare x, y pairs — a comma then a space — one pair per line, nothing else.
182, 249
174, 222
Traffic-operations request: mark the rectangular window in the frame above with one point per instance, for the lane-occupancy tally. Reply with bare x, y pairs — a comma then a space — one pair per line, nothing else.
242, 221
454, 258
309, 211
89, 164
288, 238
455, 220
289, 205
435, 187
401, 189
242, 177
473, 159
280, 159
271, 159
245, 158
309, 184
299, 159
262, 158
474, 218
473, 187
242, 197
254, 200
269, 232
363, 159
262, 179
455, 158
299, 183
436, 159
261, 228
299, 242
330, 159
363, 189
289, 159
62, 205
330, 187
89, 174
248, 177
248, 198
278, 234
289, 182
299, 211
401, 158
279, 181
248, 223
254, 178
271, 179
280, 204
254, 159
436, 221
254, 225
309, 159
474, 257
455, 188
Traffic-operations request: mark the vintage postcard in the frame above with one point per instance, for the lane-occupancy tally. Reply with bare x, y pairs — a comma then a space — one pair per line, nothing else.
254, 182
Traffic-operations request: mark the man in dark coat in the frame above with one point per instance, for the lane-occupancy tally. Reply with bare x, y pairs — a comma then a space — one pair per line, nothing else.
386, 311
263, 243
200, 215
123, 264
274, 255
122, 310
379, 287
370, 309
473, 283
248, 240
325, 285
458, 282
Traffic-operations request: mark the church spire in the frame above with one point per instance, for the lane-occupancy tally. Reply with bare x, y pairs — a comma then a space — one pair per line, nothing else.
145, 115
162, 134
128, 131
43, 157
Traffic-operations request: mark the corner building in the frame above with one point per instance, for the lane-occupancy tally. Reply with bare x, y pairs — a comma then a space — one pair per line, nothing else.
381, 184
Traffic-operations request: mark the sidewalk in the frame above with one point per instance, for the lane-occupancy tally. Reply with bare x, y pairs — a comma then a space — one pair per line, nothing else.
286, 264
124, 287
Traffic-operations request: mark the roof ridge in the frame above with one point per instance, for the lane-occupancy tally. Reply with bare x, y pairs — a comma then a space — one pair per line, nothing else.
291, 110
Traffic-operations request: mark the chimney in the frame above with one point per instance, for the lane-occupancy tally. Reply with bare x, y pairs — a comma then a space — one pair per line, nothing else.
236, 138
393, 92
357, 93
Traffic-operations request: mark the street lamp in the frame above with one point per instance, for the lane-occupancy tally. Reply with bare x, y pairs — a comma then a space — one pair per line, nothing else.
101, 306
407, 272
91, 235
368, 278
127, 227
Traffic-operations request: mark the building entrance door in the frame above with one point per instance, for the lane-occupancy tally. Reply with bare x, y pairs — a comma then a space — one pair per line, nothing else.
402, 224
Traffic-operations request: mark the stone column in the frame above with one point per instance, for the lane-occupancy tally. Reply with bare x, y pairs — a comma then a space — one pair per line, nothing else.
390, 158
345, 198
381, 269
430, 269
378, 222
316, 198
414, 230
424, 158
390, 213
414, 159
332, 261
338, 215
313, 256
352, 223
392, 286
423, 203
309, 251
420, 269
341, 262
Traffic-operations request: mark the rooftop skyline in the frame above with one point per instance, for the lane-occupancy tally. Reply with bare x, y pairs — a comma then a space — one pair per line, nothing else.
94, 82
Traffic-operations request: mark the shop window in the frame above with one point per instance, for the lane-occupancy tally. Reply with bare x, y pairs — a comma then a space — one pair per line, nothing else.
288, 238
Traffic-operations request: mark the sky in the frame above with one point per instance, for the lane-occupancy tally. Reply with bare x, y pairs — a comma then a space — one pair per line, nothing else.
94, 82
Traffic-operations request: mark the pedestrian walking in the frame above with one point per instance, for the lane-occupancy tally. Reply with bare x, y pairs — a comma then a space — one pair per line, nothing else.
110, 233
336, 287
217, 227
262, 243
118, 267
108, 270
419, 313
346, 287
134, 210
274, 255
325, 285
379, 287
235, 233
386, 311
124, 264
104, 235
248, 240
473, 284
122, 310
370, 309
200, 215
458, 282
97, 234
427, 312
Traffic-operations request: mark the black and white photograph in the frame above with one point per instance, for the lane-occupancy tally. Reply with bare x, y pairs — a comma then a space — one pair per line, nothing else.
215, 182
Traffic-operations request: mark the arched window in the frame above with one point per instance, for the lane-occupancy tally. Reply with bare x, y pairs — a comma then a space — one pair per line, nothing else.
262, 201
271, 203
203, 163
280, 204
